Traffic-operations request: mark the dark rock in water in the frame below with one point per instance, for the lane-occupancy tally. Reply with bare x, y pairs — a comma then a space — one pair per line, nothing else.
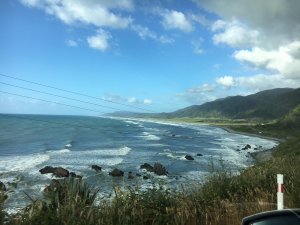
130, 175
117, 173
199, 154
97, 168
61, 172
147, 167
189, 157
138, 175
159, 169
246, 147
238, 150
57, 171
47, 169
255, 148
145, 177
173, 135
2, 186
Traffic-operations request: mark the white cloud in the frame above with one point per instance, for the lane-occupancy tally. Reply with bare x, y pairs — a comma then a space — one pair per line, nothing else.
234, 34
145, 33
202, 20
132, 100
225, 81
72, 43
147, 101
201, 89
100, 40
198, 95
89, 12
258, 82
176, 20
197, 46
281, 60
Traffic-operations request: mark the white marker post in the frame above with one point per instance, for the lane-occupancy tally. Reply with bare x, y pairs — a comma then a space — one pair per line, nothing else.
280, 192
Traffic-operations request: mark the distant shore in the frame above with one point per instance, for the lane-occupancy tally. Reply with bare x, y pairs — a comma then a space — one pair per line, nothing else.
260, 156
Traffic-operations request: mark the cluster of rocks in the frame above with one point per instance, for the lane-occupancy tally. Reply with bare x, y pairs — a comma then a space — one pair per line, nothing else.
189, 157
157, 168
247, 147
58, 172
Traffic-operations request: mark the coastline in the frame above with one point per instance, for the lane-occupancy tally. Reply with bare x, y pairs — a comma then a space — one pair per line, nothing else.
260, 156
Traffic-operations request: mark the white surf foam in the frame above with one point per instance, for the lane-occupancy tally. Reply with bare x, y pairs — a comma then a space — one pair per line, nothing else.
150, 137
21, 163
62, 151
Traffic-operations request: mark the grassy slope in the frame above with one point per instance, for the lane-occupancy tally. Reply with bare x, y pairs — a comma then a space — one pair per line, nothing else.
223, 199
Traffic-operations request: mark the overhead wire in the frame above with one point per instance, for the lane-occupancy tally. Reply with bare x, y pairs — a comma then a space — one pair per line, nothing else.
59, 103
60, 96
74, 92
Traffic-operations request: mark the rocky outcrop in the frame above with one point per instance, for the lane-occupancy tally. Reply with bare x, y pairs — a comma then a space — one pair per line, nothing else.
47, 169
116, 173
159, 169
189, 157
199, 154
97, 168
247, 146
147, 167
56, 171
61, 172
2, 187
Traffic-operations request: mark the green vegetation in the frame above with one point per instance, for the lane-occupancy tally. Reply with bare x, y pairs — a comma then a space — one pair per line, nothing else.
265, 105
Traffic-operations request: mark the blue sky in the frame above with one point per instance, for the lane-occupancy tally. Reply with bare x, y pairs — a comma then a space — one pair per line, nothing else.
155, 55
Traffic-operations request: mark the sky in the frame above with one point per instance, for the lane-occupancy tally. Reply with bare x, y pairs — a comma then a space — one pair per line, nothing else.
143, 55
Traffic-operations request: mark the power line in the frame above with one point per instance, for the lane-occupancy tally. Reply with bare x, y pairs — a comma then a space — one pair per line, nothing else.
39, 120
73, 106
47, 93
73, 92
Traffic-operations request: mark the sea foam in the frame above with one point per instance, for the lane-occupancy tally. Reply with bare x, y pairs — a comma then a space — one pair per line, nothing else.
21, 163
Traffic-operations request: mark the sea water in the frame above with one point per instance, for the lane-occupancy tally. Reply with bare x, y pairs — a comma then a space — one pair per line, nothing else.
30, 142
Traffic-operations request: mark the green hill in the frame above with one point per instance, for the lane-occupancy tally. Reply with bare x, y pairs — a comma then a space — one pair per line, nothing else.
269, 104
292, 118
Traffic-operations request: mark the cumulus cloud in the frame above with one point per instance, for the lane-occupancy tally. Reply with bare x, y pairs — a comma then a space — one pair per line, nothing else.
147, 101
258, 82
100, 40
136, 101
283, 60
283, 14
225, 81
234, 33
92, 12
176, 20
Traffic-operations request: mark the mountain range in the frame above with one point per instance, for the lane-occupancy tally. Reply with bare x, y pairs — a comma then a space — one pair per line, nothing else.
274, 104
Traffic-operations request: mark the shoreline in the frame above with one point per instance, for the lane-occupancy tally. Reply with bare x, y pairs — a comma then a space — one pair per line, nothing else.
260, 156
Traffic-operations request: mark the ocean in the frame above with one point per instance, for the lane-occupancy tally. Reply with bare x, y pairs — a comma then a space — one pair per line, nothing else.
30, 142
